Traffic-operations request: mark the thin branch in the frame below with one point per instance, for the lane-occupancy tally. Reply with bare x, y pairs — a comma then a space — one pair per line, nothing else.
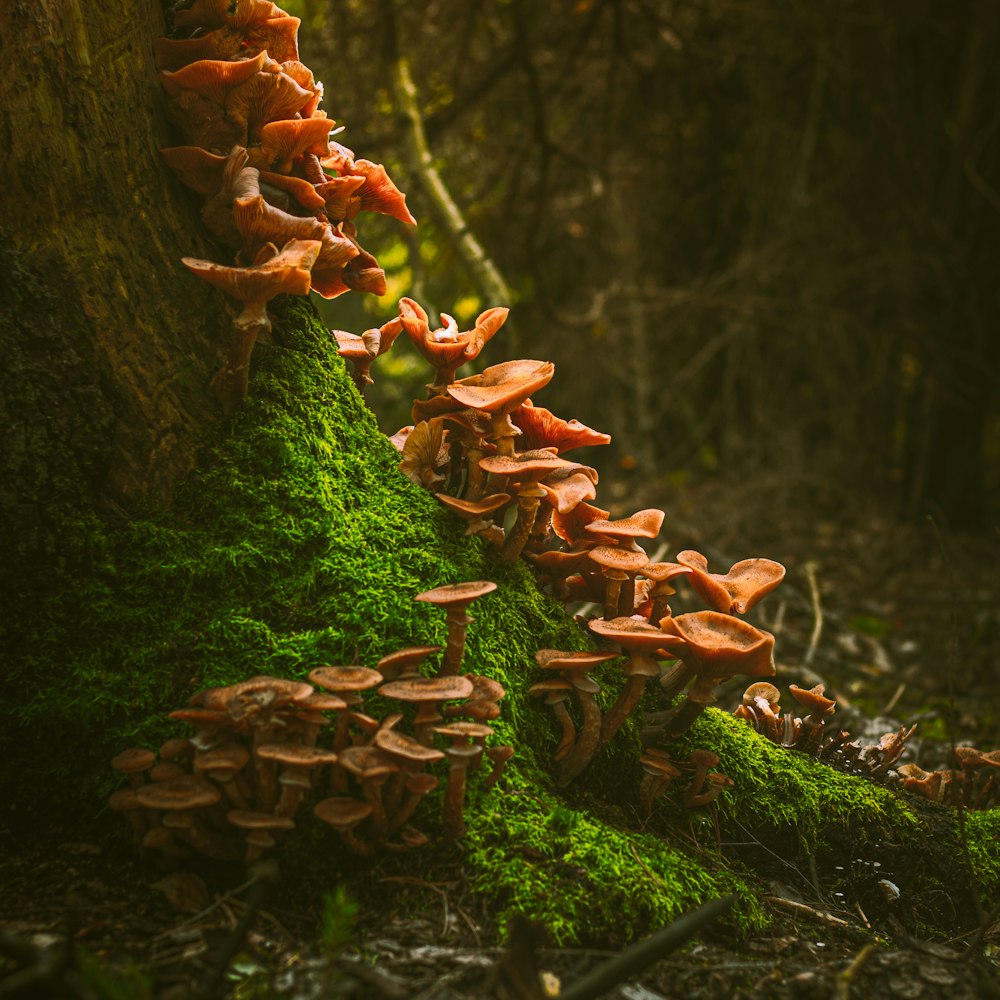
490, 283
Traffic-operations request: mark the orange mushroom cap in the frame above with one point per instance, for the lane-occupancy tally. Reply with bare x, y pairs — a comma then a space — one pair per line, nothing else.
718, 645
746, 583
502, 387
541, 428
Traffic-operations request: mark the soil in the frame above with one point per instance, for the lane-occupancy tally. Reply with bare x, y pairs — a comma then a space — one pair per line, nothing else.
901, 622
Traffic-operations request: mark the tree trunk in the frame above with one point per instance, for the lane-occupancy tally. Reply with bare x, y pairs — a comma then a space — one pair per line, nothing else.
108, 348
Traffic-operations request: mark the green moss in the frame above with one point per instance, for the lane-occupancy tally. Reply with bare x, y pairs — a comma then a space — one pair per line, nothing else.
585, 878
298, 543
982, 835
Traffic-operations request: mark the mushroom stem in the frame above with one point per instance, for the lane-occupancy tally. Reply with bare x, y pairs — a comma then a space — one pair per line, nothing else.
568, 729
528, 499
626, 598
453, 825
587, 742
503, 432
613, 580
232, 383
476, 479
675, 679
458, 620
630, 696
683, 717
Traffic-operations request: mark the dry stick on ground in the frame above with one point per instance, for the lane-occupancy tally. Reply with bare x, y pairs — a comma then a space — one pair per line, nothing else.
810, 571
447, 214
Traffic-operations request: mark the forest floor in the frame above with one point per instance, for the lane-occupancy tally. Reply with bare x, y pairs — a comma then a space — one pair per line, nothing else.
902, 623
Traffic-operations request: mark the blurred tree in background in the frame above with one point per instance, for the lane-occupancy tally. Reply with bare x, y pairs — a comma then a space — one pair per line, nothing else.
751, 235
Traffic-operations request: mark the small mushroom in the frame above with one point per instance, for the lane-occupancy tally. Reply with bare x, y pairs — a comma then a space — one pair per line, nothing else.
345, 814
455, 599
258, 830
462, 752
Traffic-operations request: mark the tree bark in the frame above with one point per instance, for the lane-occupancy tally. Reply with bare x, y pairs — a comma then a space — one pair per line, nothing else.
108, 348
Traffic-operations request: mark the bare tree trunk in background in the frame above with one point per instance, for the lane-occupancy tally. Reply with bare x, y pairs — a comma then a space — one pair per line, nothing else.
108, 349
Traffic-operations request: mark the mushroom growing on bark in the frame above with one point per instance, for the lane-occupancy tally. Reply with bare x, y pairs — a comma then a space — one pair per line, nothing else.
272, 274
498, 391
446, 348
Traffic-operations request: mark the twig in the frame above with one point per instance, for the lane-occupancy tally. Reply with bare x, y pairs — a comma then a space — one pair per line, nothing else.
810, 571
264, 879
894, 700
208, 909
844, 980
802, 910
448, 216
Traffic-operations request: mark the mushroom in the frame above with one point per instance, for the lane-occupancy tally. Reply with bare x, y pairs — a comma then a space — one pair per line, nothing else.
523, 470
541, 428
645, 644
371, 767
347, 683
715, 646
819, 707
623, 534
659, 772
258, 830
176, 800
411, 756
474, 512
446, 348
223, 764
499, 390
483, 703
425, 453
737, 591
295, 778
662, 574
499, 756
461, 753
404, 662
455, 598
345, 814
133, 763
285, 272
468, 430
575, 752
363, 350
427, 693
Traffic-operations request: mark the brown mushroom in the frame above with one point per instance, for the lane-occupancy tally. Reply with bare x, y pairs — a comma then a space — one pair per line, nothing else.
645, 644
286, 272
427, 693
461, 753
499, 390
455, 599
345, 814
259, 829
573, 668
404, 662
715, 646
737, 591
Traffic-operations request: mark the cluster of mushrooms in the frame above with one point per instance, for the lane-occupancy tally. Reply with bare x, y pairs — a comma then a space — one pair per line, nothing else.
686, 653
972, 784
264, 748
276, 190
811, 732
